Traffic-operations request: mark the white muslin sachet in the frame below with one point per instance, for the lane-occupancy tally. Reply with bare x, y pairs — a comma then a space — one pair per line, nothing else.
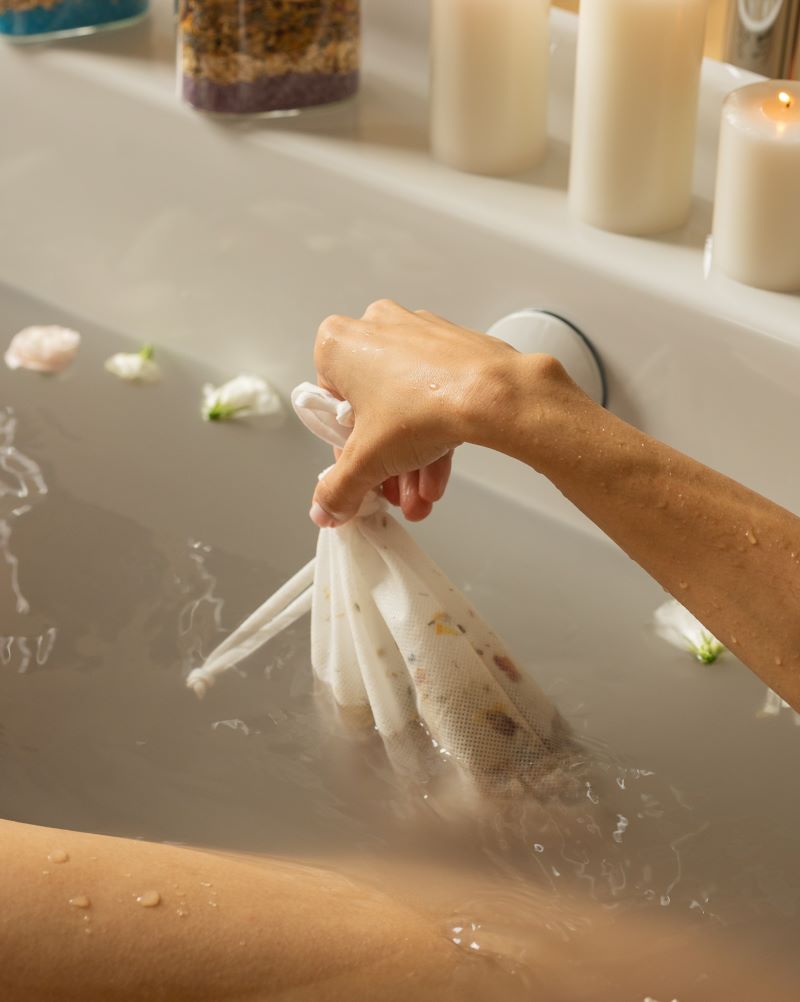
400, 647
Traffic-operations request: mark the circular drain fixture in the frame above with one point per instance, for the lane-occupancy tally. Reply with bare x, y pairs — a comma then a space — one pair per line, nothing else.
534, 331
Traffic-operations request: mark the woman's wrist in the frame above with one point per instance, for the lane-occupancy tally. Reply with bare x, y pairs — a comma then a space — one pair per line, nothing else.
520, 406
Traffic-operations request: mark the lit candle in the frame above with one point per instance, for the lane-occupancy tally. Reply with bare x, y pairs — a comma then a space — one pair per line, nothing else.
489, 63
757, 201
636, 92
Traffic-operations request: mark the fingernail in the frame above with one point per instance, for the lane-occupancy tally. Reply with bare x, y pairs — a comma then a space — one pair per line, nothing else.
320, 517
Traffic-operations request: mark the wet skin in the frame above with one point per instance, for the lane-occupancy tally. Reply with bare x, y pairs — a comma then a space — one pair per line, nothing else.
420, 386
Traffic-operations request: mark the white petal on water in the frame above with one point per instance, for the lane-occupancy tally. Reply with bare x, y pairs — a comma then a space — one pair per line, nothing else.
243, 396
133, 367
675, 624
46, 348
773, 706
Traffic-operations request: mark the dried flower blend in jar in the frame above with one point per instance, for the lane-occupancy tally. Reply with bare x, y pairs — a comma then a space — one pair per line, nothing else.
261, 56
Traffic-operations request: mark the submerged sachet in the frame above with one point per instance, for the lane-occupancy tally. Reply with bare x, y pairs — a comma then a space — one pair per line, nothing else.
400, 647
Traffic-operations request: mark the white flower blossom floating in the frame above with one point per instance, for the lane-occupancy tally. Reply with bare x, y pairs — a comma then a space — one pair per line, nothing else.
135, 367
774, 705
241, 397
679, 627
43, 349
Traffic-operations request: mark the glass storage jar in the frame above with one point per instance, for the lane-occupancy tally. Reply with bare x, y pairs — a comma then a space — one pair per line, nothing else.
39, 20
267, 56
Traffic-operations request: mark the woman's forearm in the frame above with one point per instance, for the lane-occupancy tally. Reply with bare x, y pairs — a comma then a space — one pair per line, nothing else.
729, 555
420, 386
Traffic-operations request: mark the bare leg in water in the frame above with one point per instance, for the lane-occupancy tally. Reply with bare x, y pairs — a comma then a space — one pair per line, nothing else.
92, 917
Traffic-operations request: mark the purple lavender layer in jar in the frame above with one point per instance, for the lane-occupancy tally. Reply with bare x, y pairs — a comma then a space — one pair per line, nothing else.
268, 94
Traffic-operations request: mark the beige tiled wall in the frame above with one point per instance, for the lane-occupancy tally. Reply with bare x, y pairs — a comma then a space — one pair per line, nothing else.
717, 12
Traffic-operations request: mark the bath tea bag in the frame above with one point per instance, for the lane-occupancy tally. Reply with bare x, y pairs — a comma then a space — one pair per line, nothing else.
400, 648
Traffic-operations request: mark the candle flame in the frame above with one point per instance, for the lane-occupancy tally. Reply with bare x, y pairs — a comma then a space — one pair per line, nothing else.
785, 99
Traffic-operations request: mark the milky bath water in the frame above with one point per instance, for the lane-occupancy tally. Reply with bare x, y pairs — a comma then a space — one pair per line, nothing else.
134, 537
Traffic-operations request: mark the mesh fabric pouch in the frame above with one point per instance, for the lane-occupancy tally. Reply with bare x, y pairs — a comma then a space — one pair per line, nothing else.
400, 648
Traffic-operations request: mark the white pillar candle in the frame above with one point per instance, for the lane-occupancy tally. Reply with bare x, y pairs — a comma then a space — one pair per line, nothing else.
636, 92
489, 65
757, 201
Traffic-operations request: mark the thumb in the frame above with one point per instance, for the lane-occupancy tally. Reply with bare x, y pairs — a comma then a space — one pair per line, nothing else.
340, 492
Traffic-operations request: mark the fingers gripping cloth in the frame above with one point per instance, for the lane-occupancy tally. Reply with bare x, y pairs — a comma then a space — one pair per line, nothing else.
398, 645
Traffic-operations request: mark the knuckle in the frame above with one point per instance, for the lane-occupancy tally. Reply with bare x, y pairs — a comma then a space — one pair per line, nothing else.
331, 496
380, 306
331, 327
328, 334
340, 500
327, 494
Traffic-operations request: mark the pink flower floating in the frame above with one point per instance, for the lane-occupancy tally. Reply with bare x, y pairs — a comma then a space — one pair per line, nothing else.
43, 349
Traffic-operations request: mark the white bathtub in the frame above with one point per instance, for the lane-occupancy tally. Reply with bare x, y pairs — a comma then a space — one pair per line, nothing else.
225, 244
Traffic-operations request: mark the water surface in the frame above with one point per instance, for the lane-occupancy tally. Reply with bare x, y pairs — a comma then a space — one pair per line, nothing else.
134, 537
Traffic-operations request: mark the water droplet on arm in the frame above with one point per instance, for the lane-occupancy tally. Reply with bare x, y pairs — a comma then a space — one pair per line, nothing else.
58, 856
80, 901
149, 899
751, 537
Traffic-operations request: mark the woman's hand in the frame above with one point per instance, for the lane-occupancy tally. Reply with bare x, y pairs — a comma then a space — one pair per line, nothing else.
419, 386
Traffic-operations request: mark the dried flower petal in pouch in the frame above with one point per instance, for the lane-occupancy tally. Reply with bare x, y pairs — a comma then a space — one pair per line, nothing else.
135, 367
43, 349
244, 396
679, 627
